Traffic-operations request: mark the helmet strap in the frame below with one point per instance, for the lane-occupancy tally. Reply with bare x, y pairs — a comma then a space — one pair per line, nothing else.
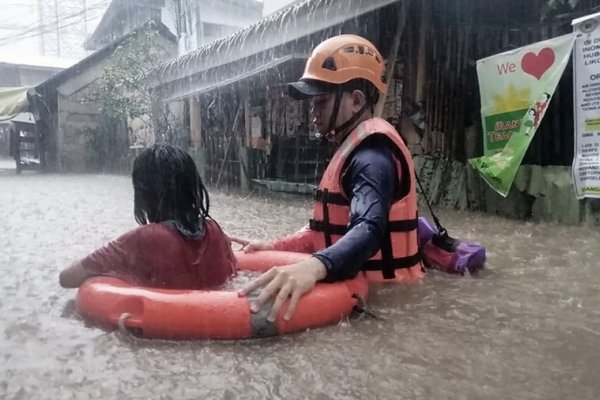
333, 131
352, 120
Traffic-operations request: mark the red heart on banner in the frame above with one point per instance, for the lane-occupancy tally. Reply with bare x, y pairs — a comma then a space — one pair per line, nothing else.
537, 65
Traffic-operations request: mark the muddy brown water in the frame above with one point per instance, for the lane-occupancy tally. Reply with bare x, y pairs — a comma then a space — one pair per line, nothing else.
528, 328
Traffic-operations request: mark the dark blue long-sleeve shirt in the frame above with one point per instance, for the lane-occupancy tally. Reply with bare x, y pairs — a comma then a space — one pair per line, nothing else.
370, 181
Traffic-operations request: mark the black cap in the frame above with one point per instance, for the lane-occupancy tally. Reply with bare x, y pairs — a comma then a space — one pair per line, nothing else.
307, 89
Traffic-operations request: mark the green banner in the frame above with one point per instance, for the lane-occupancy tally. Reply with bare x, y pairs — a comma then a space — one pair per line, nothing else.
516, 88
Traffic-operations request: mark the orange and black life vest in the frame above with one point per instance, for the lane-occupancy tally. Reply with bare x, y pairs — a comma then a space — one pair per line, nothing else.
398, 259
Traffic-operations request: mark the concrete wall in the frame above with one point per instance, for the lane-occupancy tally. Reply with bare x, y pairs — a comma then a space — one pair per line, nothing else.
128, 19
74, 118
75, 115
270, 6
229, 16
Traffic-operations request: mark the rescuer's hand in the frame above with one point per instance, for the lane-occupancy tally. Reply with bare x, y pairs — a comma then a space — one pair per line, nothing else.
283, 283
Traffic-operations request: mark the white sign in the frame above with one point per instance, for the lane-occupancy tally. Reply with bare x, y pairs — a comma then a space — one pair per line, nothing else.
586, 64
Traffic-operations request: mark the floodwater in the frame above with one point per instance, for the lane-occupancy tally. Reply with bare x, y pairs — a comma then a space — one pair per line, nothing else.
528, 328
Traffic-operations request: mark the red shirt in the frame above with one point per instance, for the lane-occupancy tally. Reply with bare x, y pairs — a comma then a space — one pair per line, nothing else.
158, 255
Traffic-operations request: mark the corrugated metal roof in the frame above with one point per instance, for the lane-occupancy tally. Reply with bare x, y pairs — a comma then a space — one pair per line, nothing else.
294, 22
75, 69
208, 82
587, 17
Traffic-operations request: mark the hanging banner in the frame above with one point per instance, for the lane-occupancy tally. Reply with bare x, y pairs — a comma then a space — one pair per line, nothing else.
586, 82
12, 102
516, 88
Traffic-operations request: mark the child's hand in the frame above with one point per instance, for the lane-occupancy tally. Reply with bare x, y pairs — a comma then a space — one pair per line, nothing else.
250, 246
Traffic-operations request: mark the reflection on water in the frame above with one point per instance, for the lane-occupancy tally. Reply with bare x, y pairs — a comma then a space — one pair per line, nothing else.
239, 281
529, 328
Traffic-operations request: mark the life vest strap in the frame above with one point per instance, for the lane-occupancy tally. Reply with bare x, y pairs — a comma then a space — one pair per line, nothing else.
326, 197
397, 263
326, 224
406, 225
393, 226
322, 226
387, 256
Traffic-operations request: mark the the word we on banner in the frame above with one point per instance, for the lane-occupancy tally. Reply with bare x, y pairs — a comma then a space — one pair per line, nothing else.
586, 64
516, 88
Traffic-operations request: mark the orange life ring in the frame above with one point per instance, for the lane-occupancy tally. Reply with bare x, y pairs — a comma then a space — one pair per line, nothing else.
214, 314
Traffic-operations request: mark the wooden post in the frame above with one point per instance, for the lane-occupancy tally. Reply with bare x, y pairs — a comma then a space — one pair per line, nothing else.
421, 55
234, 129
393, 55
60, 134
247, 118
244, 161
16, 146
196, 123
197, 145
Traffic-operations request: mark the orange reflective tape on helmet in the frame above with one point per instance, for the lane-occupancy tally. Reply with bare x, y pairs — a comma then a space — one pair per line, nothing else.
398, 260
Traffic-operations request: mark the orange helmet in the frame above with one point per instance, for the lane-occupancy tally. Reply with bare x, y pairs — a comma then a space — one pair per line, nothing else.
339, 60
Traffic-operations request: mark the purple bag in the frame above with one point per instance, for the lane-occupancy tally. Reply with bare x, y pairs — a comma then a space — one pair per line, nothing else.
440, 251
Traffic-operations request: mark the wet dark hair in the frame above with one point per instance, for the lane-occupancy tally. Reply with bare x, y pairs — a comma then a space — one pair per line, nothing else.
370, 91
167, 186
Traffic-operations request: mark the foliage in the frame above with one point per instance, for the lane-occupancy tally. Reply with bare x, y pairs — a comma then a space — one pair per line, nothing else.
124, 92
555, 4
558, 6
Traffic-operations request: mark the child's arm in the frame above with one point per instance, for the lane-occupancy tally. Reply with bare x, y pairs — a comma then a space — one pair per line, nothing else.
300, 242
74, 276
119, 258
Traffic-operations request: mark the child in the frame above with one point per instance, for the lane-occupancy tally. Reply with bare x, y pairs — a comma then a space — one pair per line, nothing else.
178, 245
